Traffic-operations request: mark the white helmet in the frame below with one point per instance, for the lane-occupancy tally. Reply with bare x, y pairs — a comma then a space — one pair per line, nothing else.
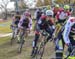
49, 13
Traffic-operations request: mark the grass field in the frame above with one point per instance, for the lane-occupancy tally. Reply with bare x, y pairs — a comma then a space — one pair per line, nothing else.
5, 27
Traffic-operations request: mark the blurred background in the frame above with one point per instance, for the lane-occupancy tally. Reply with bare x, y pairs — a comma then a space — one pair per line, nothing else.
9, 7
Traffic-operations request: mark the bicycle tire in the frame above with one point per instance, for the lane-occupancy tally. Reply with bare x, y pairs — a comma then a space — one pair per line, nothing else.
73, 52
40, 51
13, 38
21, 45
34, 53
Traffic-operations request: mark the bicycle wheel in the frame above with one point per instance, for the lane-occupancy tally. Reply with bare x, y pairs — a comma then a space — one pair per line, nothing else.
73, 52
21, 42
14, 35
40, 51
34, 53
20, 46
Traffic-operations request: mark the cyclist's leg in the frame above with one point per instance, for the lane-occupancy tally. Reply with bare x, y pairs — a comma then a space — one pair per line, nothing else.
18, 34
58, 27
69, 50
37, 35
72, 43
21, 34
17, 30
14, 32
50, 32
59, 48
35, 41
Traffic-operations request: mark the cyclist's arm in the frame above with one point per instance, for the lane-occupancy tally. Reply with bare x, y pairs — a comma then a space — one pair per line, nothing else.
66, 32
57, 16
30, 23
13, 20
20, 22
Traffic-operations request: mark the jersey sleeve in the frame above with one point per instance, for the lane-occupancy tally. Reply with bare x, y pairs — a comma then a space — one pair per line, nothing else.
30, 23
57, 15
67, 31
21, 21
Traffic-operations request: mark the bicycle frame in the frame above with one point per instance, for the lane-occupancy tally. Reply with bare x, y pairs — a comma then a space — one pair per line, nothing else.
41, 46
72, 54
22, 36
73, 51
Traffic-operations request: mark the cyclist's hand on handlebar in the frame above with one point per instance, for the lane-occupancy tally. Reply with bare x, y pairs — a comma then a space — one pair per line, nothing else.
68, 44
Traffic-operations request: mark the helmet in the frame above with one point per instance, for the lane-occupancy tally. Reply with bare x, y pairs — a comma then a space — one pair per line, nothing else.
26, 14
48, 7
66, 7
49, 13
57, 5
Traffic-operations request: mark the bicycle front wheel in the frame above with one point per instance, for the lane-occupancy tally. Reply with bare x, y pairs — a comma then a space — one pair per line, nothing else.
21, 42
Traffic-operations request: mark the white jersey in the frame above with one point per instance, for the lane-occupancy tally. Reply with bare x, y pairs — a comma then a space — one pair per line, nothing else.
67, 29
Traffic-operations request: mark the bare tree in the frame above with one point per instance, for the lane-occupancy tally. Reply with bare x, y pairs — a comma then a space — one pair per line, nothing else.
39, 3
22, 4
3, 6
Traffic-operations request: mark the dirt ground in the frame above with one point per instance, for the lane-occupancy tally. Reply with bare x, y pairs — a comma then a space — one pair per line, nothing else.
10, 52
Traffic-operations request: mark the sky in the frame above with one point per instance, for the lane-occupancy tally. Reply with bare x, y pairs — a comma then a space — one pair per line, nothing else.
31, 3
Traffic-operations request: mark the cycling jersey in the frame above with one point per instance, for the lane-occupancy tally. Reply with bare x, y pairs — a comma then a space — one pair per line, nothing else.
43, 23
69, 30
55, 10
16, 20
25, 22
62, 16
46, 25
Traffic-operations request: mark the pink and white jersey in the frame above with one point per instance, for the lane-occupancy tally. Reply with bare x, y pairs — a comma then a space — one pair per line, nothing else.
68, 26
62, 15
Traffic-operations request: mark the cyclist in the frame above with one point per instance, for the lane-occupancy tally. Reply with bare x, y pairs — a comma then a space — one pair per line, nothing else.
45, 8
15, 21
67, 36
69, 33
48, 7
45, 23
38, 13
61, 17
26, 22
56, 9
28, 11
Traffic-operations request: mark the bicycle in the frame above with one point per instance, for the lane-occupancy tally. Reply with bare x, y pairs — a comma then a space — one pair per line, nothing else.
22, 39
14, 34
42, 45
71, 55
39, 50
